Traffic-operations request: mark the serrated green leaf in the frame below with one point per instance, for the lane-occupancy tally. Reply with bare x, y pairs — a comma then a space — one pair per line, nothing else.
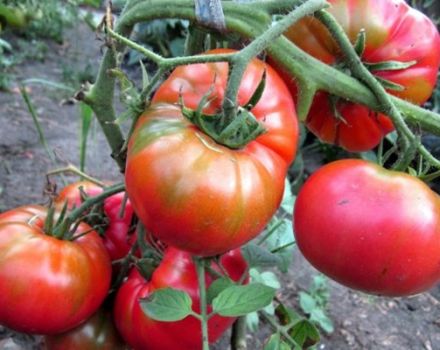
307, 302
145, 78
286, 315
412, 171
86, 114
282, 236
288, 200
392, 137
237, 301
167, 305
370, 155
276, 343
318, 316
252, 321
257, 256
5, 45
267, 277
217, 287
305, 333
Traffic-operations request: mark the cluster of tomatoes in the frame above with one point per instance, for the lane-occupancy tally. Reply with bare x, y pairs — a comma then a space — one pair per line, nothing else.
51, 286
366, 227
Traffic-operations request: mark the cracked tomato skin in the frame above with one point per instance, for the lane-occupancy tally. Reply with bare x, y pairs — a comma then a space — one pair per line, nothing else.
48, 285
369, 228
177, 270
97, 333
117, 237
193, 193
394, 32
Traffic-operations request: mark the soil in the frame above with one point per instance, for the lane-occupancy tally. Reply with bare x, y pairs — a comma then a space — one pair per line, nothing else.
361, 321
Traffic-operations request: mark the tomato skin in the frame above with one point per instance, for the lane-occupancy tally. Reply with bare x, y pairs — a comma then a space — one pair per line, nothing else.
97, 333
193, 193
116, 237
369, 228
48, 285
176, 270
394, 32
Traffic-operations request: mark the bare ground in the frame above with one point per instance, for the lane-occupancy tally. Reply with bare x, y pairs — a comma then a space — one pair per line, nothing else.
361, 322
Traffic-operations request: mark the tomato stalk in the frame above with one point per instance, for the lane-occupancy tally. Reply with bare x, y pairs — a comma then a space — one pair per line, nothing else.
73, 169
200, 267
241, 60
63, 229
282, 330
249, 21
238, 336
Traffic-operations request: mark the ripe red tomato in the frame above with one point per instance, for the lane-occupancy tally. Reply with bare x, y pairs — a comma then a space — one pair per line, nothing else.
394, 32
97, 333
117, 238
198, 195
370, 228
48, 285
177, 270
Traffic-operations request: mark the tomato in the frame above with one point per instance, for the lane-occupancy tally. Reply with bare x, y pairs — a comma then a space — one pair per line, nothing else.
97, 333
177, 270
198, 195
48, 285
117, 238
394, 32
370, 228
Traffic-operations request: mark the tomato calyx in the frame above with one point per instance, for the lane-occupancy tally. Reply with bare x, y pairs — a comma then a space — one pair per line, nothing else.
235, 134
390, 65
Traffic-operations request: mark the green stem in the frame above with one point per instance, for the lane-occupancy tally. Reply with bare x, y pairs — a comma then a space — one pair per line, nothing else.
241, 61
238, 336
73, 169
246, 19
200, 266
61, 230
250, 20
278, 328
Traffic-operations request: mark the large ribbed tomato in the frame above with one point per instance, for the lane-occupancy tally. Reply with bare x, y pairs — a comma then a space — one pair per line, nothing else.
394, 32
117, 238
177, 270
193, 193
48, 285
370, 228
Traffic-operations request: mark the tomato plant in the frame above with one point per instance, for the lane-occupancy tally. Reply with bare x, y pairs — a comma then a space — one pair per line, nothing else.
48, 285
210, 142
117, 220
194, 193
97, 333
177, 270
370, 228
394, 33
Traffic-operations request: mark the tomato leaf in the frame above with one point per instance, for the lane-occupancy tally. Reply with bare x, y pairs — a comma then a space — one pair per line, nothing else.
286, 315
267, 277
167, 305
280, 242
318, 316
288, 201
305, 333
252, 321
237, 301
275, 343
257, 256
218, 286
